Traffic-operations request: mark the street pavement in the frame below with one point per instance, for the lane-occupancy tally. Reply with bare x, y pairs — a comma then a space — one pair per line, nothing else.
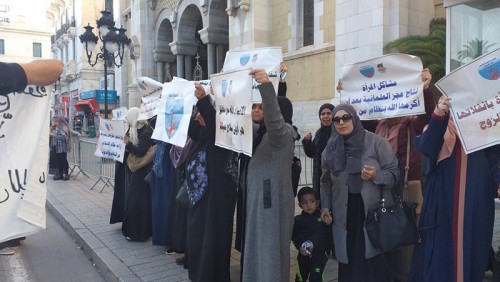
84, 213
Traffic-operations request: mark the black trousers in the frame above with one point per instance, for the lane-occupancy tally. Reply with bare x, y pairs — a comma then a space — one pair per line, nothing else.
62, 163
311, 268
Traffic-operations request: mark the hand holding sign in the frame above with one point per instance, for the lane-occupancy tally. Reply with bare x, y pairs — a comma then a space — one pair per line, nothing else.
199, 91
443, 106
260, 75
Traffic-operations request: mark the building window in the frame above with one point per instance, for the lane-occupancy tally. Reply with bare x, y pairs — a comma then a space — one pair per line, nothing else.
2, 47
37, 50
108, 6
308, 27
473, 31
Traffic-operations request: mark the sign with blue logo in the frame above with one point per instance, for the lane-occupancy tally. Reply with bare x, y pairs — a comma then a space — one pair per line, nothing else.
87, 94
112, 97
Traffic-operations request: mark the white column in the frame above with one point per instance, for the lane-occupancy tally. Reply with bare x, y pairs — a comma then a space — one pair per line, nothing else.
211, 59
188, 63
159, 71
220, 56
180, 66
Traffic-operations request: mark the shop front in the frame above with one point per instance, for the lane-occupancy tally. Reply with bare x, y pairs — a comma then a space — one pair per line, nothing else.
85, 112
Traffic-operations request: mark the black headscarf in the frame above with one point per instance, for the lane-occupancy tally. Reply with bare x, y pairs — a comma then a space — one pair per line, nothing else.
286, 109
325, 106
323, 134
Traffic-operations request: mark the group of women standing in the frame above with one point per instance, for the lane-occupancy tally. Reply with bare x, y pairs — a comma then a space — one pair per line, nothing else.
206, 223
352, 168
457, 209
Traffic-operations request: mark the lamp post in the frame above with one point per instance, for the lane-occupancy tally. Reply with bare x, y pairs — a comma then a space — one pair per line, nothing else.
113, 41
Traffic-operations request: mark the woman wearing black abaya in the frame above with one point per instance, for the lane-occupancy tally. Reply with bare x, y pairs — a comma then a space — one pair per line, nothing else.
136, 224
210, 219
314, 147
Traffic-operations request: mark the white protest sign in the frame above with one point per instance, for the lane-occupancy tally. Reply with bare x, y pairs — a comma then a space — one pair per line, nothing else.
172, 122
268, 58
474, 90
110, 144
24, 141
389, 86
150, 91
119, 113
233, 95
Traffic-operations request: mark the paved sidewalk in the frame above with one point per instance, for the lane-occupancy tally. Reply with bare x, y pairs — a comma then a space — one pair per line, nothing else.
84, 213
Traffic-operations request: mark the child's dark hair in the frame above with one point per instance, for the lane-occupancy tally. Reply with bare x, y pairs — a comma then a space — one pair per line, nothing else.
306, 190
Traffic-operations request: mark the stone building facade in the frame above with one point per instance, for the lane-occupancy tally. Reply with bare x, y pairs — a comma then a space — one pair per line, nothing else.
189, 39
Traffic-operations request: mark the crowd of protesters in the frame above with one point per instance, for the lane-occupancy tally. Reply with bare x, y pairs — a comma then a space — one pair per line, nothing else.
189, 202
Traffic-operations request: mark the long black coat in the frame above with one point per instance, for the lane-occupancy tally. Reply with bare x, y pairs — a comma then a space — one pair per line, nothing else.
137, 211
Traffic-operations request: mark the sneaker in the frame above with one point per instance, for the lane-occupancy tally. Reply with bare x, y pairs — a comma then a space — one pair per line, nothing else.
7, 252
58, 177
66, 177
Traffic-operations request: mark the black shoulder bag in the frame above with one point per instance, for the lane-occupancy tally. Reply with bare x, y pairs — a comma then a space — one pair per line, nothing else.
390, 227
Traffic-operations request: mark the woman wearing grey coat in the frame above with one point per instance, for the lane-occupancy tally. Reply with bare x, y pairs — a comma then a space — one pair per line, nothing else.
269, 196
356, 166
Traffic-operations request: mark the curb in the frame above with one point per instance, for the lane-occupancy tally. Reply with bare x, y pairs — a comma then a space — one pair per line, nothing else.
108, 264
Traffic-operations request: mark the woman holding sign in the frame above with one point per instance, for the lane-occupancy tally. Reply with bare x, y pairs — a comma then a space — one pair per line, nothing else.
456, 222
212, 199
269, 203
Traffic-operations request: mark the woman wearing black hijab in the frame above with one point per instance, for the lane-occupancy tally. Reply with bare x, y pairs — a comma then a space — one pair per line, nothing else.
314, 147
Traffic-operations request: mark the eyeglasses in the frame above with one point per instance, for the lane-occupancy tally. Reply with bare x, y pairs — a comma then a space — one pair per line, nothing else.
344, 118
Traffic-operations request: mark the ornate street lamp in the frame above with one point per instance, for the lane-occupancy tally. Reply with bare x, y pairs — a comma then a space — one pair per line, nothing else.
113, 46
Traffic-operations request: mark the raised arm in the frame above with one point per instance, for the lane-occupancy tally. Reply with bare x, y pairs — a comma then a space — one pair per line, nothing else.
43, 72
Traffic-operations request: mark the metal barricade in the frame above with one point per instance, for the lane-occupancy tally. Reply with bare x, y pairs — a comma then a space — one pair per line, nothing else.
73, 157
103, 168
307, 166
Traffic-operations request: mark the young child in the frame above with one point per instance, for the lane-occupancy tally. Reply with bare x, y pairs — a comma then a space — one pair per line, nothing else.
310, 237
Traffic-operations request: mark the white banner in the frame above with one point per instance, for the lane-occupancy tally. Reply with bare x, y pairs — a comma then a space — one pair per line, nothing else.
119, 113
233, 96
172, 122
268, 58
150, 91
389, 86
474, 90
24, 130
110, 144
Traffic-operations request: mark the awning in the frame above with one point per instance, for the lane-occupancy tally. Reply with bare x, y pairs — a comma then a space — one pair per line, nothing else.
90, 103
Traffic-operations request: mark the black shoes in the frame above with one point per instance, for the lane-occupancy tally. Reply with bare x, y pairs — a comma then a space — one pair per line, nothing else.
66, 177
58, 177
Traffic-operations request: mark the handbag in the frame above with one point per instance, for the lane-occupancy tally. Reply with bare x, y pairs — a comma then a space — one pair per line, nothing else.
135, 163
390, 227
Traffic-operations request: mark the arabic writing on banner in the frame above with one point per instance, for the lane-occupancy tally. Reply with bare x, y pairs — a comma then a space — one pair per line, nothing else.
474, 90
233, 96
389, 86
150, 91
110, 144
24, 139
268, 58
176, 107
